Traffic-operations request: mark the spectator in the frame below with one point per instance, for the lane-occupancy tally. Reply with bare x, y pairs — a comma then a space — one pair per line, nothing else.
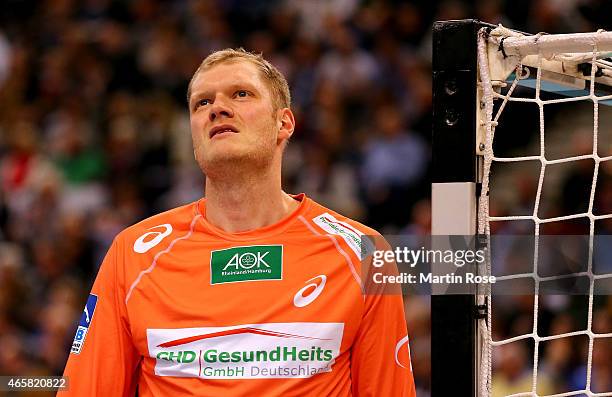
394, 162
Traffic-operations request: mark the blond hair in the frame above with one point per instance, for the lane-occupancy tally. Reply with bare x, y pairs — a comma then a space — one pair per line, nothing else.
281, 97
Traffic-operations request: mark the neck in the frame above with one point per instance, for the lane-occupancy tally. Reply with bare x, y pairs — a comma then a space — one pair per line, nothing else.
245, 202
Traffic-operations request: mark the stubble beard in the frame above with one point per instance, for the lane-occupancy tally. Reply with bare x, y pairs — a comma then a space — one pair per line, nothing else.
231, 166
257, 158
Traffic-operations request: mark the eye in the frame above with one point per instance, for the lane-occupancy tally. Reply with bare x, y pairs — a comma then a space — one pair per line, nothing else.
242, 93
202, 102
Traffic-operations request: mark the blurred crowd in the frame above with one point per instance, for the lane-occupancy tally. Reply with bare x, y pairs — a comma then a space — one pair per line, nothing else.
94, 130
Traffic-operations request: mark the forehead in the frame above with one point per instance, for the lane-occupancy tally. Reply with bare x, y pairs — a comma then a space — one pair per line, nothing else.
230, 73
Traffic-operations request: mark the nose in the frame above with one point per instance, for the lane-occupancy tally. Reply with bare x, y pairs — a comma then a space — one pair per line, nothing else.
220, 109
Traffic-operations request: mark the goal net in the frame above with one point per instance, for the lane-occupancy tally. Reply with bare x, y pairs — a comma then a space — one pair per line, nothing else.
544, 72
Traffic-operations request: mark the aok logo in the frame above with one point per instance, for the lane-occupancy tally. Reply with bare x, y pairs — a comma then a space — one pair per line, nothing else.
248, 263
248, 260
185, 357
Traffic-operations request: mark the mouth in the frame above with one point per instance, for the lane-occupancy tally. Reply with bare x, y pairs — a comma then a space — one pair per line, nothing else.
222, 130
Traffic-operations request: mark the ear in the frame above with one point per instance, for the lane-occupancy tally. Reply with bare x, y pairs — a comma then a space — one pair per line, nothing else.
286, 124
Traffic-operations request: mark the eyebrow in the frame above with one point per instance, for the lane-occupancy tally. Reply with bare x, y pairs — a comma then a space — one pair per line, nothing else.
233, 87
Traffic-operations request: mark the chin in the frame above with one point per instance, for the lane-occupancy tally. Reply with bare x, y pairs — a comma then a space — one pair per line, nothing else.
222, 163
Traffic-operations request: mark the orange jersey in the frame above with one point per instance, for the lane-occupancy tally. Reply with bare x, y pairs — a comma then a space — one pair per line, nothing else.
180, 307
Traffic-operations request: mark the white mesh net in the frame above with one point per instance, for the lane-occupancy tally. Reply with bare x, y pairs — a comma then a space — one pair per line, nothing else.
501, 53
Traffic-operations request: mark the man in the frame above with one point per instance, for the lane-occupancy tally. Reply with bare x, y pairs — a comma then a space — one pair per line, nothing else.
249, 291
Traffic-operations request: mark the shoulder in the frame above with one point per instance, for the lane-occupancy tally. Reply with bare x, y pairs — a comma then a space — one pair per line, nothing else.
328, 219
177, 221
346, 231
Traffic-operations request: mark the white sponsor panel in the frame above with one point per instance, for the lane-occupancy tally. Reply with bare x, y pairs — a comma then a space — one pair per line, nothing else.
249, 351
351, 235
